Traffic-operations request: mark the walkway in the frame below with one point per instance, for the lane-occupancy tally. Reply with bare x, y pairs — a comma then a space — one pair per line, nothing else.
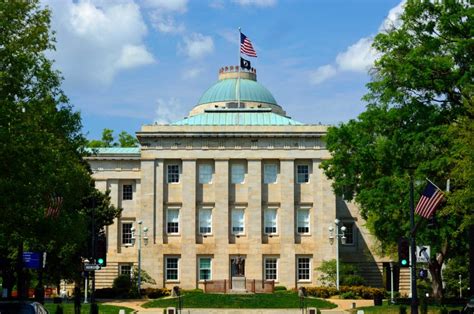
342, 305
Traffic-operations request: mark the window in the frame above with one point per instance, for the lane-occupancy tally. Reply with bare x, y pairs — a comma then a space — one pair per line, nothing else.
205, 268
270, 172
172, 268
127, 233
271, 268
205, 221
304, 267
125, 269
270, 220
172, 220
205, 173
302, 221
302, 173
349, 233
173, 173
127, 192
238, 221
237, 173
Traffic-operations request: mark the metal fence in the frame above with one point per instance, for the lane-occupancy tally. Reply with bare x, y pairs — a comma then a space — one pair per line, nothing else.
251, 285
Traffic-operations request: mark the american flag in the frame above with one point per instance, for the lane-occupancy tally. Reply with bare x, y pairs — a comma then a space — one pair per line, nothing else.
55, 203
246, 46
430, 199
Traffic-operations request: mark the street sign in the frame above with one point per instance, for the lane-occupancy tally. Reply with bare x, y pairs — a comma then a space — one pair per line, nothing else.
32, 260
422, 253
91, 267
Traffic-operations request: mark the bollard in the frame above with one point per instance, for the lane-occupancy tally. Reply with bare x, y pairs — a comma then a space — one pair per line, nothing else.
121, 311
360, 311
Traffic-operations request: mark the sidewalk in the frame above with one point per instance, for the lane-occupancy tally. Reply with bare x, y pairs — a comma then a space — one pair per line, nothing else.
342, 305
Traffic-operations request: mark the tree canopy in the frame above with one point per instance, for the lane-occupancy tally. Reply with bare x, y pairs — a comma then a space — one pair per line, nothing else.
41, 146
417, 123
108, 140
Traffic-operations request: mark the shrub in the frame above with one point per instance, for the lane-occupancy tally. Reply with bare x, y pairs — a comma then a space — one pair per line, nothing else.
443, 310
321, 292
348, 295
349, 274
402, 309
279, 288
122, 284
155, 293
356, 292
105, 293
353, 280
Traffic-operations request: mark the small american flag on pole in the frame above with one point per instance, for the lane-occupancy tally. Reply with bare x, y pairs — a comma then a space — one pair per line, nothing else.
246, 46
429, 201
55, 203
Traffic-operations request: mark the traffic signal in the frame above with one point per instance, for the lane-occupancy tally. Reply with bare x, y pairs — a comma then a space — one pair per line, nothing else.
101, 250
403, 252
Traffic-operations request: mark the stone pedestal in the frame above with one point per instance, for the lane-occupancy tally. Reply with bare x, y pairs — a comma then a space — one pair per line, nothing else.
238, 284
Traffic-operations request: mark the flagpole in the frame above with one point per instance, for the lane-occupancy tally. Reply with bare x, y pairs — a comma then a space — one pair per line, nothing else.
433, 184
238, 81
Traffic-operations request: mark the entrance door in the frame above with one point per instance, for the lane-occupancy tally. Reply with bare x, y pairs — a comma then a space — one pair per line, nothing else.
237, 266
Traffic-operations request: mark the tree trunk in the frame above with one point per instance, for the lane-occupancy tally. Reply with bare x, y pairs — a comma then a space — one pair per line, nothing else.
435, 271
436, 280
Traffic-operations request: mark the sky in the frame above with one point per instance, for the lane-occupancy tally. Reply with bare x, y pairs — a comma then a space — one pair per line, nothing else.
127, 63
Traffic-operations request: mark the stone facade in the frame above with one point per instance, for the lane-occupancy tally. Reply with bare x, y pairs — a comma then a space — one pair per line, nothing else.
282, 234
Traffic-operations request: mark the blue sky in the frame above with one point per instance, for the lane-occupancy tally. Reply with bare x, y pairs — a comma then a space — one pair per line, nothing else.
128, 63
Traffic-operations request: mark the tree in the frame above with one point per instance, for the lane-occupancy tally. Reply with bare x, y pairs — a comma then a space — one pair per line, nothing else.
127, 140
124, 140
349, 274
419, 94
41, 146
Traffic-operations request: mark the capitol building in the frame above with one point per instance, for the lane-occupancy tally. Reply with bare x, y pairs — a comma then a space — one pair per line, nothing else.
232, 192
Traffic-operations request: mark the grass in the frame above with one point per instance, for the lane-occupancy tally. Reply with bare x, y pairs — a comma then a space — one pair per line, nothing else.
394, 309
279, 299
85, 308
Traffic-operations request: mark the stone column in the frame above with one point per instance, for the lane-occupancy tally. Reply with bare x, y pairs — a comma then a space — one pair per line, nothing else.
158, 225
253, 265
188, 216
220, 221
114, 241
287, 224
146, 213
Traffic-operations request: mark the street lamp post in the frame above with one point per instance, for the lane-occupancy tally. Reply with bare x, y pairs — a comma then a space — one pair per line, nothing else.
336, 237
145, 239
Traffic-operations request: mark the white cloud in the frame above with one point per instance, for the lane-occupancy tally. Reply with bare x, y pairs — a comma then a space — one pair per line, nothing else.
166, 23
393, 18
217, 4
192, 73
168, 111
133, 56
95, 42
168, 5
231, 36
322, 73
258, 3
360, 56
196, 46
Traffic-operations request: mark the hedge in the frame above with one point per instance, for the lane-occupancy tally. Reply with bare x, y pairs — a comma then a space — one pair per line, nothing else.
362, 292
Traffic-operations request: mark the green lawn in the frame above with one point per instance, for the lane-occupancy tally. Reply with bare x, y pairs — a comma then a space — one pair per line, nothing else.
85, 308
394, 309
280, 299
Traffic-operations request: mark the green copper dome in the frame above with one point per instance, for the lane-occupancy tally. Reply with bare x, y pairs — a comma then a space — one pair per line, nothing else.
226, 91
